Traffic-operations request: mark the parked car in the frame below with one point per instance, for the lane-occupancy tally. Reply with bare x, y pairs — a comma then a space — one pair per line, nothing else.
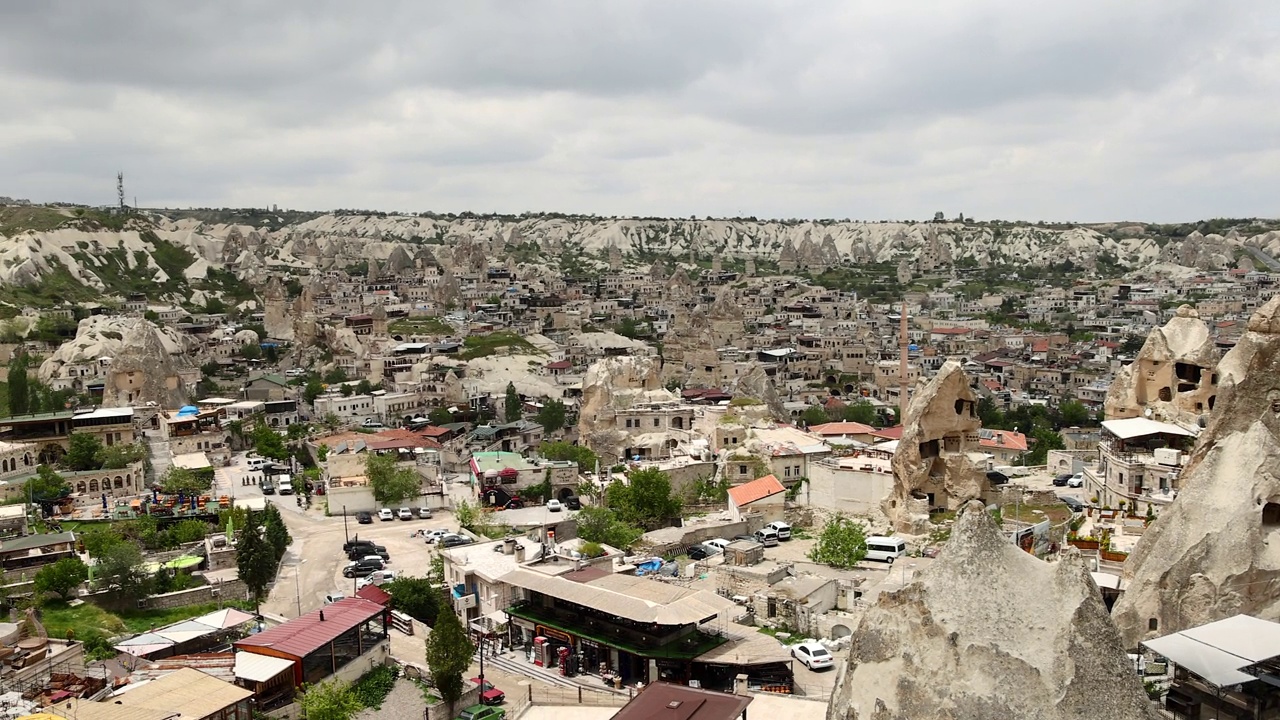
454, 540
885, 549
364, 518
718, 543
489, 695
1061, 480
767, 537
1073, 503
379, 558
747, 538
482, 712
361, 551
371, 423
361, 568
699, 552
554, 505
573, 502
334, 597
782, 528
435, 535
296, 372
255, 463
286, 485
813, 655
268, 488
424, 512
405, 514
356, 542
385, 514
1076, 480
377, 577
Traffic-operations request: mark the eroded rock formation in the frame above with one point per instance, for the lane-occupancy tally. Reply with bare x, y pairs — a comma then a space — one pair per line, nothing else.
937, 464
1215, 551
989, 632
1173, 375
612, 385
144, 371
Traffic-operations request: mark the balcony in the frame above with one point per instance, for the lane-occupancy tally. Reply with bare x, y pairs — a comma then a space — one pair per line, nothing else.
594, 626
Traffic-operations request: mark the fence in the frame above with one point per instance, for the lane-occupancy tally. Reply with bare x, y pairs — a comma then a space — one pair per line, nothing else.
559, 695
402, 622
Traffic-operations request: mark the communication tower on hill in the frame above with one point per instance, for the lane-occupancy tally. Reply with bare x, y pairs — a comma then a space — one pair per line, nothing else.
120, 190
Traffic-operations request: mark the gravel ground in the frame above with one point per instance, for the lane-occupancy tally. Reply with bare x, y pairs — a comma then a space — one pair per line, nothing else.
404, 703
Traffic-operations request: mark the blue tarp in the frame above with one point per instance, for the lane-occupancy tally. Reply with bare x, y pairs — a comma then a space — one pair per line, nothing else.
188, 410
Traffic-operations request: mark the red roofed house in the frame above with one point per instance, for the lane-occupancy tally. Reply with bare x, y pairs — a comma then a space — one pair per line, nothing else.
1006, 446
345, 639
559, 367
845, 430
375, 594
764, 495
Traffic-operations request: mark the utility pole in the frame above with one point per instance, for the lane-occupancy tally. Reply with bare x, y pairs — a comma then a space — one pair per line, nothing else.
344, 524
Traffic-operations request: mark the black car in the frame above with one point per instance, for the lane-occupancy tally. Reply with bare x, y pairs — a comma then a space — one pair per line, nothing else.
698, 552
360, 551
449, 541
748, 538
1061, 480
357, 542
1074, 504
364, 518
573, 502
361, 568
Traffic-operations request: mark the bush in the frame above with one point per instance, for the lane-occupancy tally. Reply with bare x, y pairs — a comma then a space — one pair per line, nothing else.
373, 687
842, 543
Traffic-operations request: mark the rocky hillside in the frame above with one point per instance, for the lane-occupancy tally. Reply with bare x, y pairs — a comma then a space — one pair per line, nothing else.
186, 254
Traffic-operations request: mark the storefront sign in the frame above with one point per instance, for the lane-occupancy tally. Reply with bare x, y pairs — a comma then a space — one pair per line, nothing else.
554, 634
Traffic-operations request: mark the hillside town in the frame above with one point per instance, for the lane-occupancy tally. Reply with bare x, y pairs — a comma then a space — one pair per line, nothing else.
814, 483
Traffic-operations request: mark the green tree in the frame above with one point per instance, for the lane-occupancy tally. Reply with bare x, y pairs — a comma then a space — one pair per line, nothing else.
211, 369
188, 531
601, 524
363, 387
251, 351
181, 481
346, 390
449, 653
277, 534
98, 540
415, 596
268, 443
860, 411
47, 485
120, 568
271, 354
814, 415
391, 483
84, 453
297, 431
1074, 414
466, 514
312, 390
842, 543
335, 376
989, 414
628, 327
1045, 440
561, 450
440, 416
255, 557
62, 577
645, 500
115, 457
19, 392
551, 416
330, 700
513, 407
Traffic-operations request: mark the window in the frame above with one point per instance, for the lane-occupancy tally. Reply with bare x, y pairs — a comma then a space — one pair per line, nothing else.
656, 422
786, 471
1153, 624
1271, 514
742, 469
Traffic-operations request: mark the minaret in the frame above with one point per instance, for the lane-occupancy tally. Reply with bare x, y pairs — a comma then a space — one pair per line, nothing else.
903, 344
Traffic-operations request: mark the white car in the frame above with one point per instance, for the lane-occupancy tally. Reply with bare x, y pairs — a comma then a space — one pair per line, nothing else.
405, 513
813, 655
1076, 480
334, 597
782, 528
371, 559
378, 577
554, 505
718, 543
296, 372
434, 535
386, 514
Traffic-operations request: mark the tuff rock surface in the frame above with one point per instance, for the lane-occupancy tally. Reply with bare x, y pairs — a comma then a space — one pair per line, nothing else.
611, 385
988, 632
937, 453
1215, 551
1173, 375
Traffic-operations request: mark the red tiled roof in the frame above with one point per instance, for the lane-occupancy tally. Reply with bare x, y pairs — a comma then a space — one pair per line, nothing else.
559, 365
373, 593
677, 702
842, 428
304, 635
1011, 440
892, 433
757, 489
433, 431
1041, 345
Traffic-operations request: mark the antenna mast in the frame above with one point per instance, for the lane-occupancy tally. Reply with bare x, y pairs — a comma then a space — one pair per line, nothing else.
120, 190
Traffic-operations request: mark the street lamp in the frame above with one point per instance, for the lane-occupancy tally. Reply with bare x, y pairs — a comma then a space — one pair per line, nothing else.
297, 588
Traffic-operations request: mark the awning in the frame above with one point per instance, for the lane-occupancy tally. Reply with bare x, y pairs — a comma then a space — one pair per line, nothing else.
223, 619
184, 631
260, 668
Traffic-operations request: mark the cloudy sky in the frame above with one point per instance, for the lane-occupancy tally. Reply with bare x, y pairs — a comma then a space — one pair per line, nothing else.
1085, 110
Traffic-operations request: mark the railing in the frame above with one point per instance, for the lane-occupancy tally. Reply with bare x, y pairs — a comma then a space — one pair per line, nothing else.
538, 694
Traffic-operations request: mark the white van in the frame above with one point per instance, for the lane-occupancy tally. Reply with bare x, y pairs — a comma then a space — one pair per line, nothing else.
256, 463
286, 485
885, 549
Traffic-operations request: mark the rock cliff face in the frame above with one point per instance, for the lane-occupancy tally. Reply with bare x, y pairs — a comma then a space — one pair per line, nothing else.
611, 385
1215, 551
104, 336
988, 632
1174, 375
934, 465
144, 372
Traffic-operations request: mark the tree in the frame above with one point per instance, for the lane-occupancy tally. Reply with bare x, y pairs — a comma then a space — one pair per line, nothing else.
98, 540
814, 415
335, 376
181, 481
47, 485
645, 500
346, 390
19, 394
449, 653
513, 407
271, 354
62, 577
417, 597
251, 351
440, 416
561, 450
330, 700
551, 416
1074, 414
84, 453
601, 525
391, 483
1045, 440
842, 544
268, 443
312, 390
115, 457
363, 387
120, 567
860, 411
255, 557
277, 534
297, 431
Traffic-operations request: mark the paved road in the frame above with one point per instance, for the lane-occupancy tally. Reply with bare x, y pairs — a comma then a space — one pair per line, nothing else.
1264, 258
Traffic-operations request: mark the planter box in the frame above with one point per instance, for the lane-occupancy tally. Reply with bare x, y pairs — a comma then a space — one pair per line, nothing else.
1114, 556
1084, 544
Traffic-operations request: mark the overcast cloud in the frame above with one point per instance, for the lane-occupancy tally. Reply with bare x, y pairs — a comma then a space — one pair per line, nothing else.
1086, 110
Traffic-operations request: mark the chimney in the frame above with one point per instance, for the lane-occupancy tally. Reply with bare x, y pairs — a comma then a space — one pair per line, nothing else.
321, 616
519, 552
